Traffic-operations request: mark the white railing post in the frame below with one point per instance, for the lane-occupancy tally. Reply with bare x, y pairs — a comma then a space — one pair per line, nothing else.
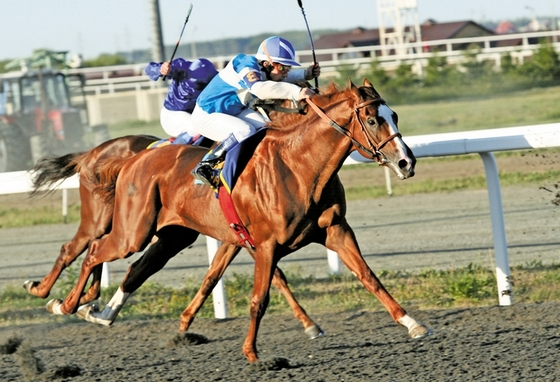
105, 277
503, 275
334, 262
65, 205
219, 292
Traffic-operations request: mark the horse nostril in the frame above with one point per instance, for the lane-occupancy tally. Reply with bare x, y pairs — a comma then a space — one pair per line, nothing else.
403, 164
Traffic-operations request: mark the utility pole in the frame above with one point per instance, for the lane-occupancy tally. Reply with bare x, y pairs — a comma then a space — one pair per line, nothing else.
158, 49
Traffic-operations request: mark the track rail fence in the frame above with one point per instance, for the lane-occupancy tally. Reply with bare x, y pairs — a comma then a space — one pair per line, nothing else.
482, 142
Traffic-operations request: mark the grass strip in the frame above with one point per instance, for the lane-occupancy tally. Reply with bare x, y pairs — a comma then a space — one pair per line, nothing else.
470, 286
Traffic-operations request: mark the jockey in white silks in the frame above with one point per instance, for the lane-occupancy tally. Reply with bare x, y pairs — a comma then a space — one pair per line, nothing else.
222, 111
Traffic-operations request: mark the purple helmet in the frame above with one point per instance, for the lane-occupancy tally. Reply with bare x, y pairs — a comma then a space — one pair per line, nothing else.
278, 50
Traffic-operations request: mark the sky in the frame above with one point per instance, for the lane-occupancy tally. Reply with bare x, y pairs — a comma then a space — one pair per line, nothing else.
93, 27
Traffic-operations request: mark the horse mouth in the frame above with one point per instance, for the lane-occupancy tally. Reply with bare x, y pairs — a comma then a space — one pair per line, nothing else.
403, 169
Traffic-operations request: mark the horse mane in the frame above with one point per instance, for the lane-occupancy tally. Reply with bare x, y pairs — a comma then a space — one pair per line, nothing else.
106, 173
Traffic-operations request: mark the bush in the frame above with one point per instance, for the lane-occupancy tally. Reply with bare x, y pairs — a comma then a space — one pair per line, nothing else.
471, 79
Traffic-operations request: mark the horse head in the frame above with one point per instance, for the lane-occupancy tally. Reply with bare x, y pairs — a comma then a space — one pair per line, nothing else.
375, 133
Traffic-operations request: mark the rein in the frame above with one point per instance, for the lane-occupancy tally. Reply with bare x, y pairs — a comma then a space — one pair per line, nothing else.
270, 105
374, 150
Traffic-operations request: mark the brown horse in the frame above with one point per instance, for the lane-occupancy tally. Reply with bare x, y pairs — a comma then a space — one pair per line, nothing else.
95, 214
96, 217
287, 196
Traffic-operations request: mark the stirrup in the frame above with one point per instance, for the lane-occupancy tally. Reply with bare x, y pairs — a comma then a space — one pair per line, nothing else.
204, 172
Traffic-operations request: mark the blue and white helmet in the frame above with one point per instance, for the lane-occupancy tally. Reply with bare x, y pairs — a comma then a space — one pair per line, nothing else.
277, 49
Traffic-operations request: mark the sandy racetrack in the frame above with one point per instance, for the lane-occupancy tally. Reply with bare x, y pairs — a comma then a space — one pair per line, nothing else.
517, 343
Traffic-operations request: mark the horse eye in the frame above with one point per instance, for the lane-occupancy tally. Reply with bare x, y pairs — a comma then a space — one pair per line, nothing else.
371, 121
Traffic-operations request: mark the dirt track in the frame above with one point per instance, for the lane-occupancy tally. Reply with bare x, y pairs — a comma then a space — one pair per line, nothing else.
517, 343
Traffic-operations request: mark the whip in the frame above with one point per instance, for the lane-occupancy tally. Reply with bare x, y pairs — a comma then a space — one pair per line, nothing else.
180, 36
310, 40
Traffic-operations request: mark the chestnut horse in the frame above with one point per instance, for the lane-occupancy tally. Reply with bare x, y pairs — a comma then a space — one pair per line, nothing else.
96, 216
288, 196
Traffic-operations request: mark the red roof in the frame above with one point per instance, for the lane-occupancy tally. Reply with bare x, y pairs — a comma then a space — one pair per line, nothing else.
430, 31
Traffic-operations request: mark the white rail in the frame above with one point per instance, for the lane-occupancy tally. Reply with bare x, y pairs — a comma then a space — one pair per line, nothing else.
482, 142
131, 77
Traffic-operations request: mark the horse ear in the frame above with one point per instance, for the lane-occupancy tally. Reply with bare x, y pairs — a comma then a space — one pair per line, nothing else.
369, 84
350, 84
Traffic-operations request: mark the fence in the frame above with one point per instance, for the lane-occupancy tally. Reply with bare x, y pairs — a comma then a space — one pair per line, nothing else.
520, 46
482, 142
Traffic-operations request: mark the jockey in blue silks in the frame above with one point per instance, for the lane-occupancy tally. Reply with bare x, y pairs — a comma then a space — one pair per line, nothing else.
222, 111
188, 79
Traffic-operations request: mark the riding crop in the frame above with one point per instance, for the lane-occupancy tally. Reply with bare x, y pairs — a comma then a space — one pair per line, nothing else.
180, 36
310, 40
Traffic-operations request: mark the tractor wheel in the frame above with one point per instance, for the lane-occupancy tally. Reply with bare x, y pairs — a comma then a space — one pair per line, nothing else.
39, 147
14, 149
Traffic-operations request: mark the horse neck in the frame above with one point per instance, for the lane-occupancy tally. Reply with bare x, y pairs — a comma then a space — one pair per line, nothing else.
312, 151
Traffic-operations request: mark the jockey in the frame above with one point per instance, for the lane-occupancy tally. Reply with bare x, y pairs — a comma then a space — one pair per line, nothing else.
222, 111
188, 80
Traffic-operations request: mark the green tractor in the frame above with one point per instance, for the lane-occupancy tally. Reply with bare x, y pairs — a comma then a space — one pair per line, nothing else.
43, 112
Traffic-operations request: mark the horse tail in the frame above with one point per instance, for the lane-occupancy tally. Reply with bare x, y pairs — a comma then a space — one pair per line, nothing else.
107, 173
51, 169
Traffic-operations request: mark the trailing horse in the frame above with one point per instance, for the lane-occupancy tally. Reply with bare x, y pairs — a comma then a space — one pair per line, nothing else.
95, 214
288, 196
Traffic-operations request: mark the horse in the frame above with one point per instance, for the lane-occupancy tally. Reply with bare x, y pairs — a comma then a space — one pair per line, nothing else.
96, 216
287, 196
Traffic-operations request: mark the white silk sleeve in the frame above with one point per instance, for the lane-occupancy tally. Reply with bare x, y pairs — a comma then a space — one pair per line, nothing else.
275, 90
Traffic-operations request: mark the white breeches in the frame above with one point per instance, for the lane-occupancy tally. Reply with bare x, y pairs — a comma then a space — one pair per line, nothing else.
218, 126
176, 122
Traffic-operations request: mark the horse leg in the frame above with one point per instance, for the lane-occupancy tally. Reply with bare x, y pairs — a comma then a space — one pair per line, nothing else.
311, 328
341, 239
171, 241
94, 290
95, 220
115, 245
223, 257
264, 270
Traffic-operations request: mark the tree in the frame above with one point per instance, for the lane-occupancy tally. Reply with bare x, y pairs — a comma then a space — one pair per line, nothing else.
105, 60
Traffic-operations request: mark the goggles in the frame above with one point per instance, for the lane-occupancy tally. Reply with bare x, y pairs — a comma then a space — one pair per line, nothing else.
281, 67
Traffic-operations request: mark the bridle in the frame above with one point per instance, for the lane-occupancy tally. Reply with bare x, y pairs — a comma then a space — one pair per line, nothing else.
374, 150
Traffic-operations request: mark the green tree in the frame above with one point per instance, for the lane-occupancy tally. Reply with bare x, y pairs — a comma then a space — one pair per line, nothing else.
404, 78
544, 66
105, 60
437, 71
377, 75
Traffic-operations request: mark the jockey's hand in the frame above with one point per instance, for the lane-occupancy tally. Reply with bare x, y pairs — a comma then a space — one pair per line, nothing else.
165, 68
306, 93
313, 71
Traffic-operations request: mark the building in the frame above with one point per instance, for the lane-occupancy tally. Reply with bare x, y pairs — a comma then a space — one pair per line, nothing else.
430, 31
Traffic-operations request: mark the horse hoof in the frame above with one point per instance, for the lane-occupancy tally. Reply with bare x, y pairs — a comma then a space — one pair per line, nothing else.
420, 331
314, 331
28, 284
92, 313
54, 307
85, 310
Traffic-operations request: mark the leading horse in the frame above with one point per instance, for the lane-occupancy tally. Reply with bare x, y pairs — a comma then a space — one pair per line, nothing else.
95, 221
288, 196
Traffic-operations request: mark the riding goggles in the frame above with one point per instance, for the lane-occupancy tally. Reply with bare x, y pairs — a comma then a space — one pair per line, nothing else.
281, 67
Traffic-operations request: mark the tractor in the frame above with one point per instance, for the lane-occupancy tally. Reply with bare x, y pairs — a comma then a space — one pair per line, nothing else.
43, 112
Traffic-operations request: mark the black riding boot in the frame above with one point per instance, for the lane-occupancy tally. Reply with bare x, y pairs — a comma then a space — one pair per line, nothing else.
204, 171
